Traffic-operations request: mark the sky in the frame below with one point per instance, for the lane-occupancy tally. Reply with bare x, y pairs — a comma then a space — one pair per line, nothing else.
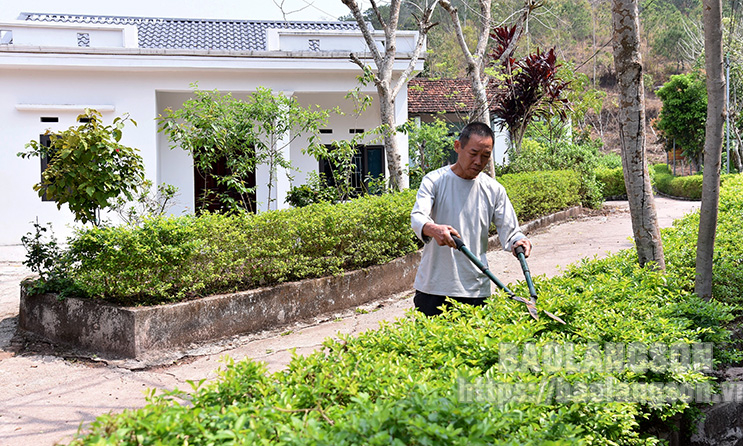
212, 9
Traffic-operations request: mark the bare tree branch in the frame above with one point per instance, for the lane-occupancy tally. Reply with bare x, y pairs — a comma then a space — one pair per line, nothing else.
365, 30
284, 13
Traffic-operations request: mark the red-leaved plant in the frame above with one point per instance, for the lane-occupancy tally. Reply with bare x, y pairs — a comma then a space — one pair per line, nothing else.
529, 87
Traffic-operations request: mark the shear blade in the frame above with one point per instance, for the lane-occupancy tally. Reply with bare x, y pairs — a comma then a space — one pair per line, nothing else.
533, 304
554, 317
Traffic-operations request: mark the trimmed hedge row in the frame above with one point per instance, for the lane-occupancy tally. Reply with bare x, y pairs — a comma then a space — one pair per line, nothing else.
407, 382
534, 194
684, 187
612, 181
171, 259
182, 257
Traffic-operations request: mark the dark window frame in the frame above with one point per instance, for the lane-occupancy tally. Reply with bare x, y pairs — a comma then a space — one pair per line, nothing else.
361, 160
45, 139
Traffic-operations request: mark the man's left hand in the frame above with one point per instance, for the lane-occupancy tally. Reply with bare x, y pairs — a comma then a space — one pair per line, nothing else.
525, 243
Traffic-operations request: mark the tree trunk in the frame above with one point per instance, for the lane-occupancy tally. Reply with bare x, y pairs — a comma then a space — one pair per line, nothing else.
475, 63
712, 146
628, 64
383, 77
399, 179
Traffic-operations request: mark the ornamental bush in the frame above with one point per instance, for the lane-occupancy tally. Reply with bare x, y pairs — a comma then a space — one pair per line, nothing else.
584, 159
87, 166
612, 182
184, 257
680, 186
534, 194
415, 380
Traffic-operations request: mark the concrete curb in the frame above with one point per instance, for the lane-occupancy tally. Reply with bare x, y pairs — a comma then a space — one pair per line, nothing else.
144, 333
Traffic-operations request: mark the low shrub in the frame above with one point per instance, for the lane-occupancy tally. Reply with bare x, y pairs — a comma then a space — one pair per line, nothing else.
584, 159
680, 244
680, 186
684, 187
612, 182
534, 194
181, 257
480, 375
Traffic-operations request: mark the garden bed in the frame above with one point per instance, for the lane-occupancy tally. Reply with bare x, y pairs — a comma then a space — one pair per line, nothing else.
106, 330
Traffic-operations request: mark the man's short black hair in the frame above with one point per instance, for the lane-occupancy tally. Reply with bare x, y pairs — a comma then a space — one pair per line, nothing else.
475, 128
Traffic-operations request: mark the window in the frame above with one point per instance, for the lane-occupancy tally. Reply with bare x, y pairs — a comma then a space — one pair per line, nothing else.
369, 162
208, 189
46, 141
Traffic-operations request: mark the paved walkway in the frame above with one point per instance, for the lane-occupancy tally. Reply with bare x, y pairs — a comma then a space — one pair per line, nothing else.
44, 397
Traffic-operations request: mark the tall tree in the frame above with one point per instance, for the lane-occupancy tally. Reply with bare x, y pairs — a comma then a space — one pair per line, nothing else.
712, 146
388, 87
628, 65
476, 61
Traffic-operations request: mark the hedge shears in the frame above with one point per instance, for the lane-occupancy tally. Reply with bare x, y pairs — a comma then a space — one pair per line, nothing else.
531, 303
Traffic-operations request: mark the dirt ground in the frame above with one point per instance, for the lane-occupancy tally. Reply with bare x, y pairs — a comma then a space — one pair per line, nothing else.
46, 393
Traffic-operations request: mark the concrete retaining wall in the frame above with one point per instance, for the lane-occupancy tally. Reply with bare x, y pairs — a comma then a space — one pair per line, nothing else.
133, 332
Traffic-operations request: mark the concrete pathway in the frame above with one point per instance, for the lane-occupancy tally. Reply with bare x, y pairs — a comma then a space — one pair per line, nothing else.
45, 397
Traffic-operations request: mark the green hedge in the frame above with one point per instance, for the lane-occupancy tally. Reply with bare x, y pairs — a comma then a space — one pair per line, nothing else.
585, 159
402, 384
175, 258
681, 186
534, 194
171, 259
612, 182
684, 187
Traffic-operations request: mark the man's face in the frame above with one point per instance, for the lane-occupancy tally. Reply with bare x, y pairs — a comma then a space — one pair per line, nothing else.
472, 158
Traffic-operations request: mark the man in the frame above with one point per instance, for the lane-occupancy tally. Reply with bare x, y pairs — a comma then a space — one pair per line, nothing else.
461, 201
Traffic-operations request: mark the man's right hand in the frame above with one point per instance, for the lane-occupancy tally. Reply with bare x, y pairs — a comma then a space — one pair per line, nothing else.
441, 233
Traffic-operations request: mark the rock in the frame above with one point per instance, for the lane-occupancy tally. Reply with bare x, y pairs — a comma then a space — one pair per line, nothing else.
722, 425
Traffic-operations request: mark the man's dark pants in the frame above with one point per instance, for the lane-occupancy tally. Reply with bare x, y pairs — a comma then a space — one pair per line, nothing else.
429, 304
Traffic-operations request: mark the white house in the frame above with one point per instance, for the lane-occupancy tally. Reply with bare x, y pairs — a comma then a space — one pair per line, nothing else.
54, 66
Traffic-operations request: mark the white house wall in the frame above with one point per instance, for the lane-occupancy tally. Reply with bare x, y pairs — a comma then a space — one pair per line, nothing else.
26, 97
30, 91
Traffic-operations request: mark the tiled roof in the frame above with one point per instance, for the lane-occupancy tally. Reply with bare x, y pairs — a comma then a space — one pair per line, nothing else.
231, 35
443, 95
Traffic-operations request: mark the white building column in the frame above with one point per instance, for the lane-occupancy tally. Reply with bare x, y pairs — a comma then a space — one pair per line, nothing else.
401, 116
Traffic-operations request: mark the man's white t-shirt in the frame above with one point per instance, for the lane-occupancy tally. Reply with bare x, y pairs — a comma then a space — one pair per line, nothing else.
469, 206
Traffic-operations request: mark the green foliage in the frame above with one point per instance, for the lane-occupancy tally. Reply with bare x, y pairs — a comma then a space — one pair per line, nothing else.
146, 204
612, 182
581, 96
46, 258
314, 190
430, 146
584, 159
170, 259
534, 194
679, 186
402, 383
215, 127
175, 258
728, 257
684, 113
87, 167
530, 87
